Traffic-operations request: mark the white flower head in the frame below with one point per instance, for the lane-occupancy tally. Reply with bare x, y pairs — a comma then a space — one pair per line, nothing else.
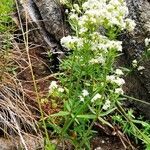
81, 98
119, 91
83, 30
106, 105
53, 85
115, 45
130, 24
119, 81
71, 41
73, 16
115, 79
60, 89
111, 78
85, 93
134, 63
98, 60
66, 11
140, 68
119, 72
77, 8
96, 97
147, 42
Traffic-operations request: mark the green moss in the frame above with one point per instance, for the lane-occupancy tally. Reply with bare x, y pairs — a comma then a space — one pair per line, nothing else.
6, 7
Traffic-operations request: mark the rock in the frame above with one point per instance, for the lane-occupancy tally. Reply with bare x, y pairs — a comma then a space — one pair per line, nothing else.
138, 84
46, 18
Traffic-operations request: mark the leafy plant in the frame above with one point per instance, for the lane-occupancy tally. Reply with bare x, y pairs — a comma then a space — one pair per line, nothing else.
91, 83
6, 7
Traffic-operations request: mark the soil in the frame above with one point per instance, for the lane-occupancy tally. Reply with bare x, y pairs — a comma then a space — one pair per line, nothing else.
107, 143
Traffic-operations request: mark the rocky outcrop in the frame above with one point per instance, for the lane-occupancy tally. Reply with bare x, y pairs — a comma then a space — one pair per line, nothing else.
47, 18
138, 83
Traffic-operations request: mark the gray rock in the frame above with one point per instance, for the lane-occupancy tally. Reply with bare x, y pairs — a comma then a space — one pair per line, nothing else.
47, 16
138, 84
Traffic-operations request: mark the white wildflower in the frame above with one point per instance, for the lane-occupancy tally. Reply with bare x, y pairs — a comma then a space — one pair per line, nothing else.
63, 1
98, 60
147, 42
77, 8
81, 98
83, 30
140, 68
66, 11
130, 24
53, 85
66, 40
134, 63
71, 41
93, 4
115, 45
119, 81
119, 72
85, 93
96, 97
60, 89
106, 105
111, 78
114, 79
73, 16
119, 91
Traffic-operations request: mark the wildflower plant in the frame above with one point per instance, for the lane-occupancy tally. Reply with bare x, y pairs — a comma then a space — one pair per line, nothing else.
92, 84
146, 54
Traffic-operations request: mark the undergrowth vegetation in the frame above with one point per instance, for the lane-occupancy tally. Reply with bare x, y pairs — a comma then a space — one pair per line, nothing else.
6, 7
15, 116
6, 29
89, 82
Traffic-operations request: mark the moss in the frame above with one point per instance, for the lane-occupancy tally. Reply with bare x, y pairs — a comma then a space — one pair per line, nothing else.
6, 7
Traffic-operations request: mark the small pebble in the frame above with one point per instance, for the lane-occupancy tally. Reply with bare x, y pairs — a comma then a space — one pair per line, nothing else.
98, 148
103, 141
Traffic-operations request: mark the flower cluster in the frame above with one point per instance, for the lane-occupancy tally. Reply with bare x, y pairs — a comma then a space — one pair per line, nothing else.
147, 42
96, 97
115, 79
96, 24
54, 87
108, 14
106, 105
83, 95
71, 42
86, 21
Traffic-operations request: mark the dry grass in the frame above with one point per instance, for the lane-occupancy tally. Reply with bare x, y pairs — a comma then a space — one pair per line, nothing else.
17, 113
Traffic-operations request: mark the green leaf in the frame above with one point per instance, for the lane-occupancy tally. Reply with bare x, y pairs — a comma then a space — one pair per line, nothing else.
86, 116
61, 113
107, 112
147, 147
